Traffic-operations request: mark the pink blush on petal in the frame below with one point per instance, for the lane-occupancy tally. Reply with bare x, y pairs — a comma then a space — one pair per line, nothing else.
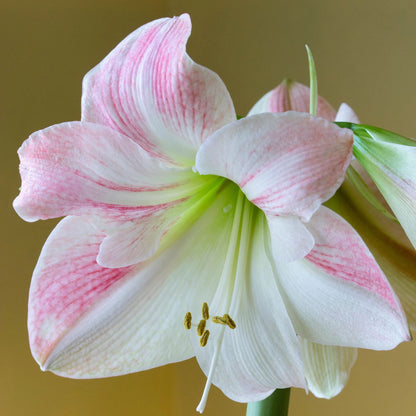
340, 252
343, 270
65, 289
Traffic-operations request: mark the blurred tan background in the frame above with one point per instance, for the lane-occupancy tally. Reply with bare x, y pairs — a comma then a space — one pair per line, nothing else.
365, 52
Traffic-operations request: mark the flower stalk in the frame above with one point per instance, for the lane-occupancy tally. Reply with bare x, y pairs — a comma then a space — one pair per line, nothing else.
277, 404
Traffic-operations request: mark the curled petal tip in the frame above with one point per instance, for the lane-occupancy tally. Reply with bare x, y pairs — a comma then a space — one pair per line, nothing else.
347, 114
185, 16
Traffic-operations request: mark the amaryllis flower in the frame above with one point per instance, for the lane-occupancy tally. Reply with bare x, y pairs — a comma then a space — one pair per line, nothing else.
360, 202
171, 205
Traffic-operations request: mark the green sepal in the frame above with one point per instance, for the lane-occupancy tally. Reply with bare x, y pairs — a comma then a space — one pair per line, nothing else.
366, 192
363, 133
376, 134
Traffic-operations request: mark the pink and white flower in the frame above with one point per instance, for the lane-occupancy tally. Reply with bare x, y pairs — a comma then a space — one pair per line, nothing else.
171, 202
361, 203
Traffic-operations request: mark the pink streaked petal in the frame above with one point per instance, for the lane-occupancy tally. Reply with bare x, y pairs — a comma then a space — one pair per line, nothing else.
291, 96
290, 238
150, 90
387, 242
338, 295
340, 252
66, 282
346, 113
286, 163
83, 168
136, 323
131, 242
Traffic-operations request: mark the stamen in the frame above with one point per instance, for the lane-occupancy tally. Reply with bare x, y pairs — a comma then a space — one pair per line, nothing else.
201, 327
229, 321
187, 321
205, 311
219, 320
204, 338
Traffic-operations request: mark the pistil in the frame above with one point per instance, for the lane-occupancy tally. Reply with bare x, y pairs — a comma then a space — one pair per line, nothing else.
241, 216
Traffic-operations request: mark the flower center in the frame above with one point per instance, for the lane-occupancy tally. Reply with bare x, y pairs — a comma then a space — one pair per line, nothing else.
242, 223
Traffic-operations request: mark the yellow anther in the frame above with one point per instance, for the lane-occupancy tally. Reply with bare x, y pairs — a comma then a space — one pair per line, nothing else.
205, 311
201, 327
229, 321
204, 339
219, 320
187, 321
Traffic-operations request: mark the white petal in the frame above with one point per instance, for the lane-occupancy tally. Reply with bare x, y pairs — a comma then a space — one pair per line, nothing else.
291, 240
286, 164
338, 295
327, 367
346, 113
263, 352
131, 242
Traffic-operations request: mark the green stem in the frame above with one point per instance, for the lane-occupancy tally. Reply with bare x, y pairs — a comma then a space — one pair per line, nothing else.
277, 404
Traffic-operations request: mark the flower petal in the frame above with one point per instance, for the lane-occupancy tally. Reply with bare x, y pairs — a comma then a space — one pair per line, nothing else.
286, 164
137, 239
83, 168
291, 96
391, 166
403, 281
327, 367
338, 295
291, 240
263, 352
150, 90
386, 241
346, 113
131, 242
87, 321
66, 282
